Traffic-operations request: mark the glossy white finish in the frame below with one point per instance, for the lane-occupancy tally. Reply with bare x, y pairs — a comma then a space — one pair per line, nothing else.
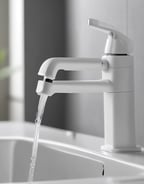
117, 43
52, 164
117, 84
119, 117
73, 87
63, 156
51, 66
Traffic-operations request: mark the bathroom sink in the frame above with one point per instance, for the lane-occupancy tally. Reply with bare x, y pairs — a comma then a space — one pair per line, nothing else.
51, 164
62, 156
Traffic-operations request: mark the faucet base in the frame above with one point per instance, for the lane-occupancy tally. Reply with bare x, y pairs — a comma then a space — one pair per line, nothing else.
110, 148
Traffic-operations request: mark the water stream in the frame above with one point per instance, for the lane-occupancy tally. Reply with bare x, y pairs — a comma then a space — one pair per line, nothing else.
41, 107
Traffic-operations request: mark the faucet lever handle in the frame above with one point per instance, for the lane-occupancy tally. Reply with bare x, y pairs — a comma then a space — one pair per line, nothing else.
101, 26
117, 42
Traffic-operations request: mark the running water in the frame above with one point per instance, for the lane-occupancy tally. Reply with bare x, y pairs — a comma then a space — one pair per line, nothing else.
41, 106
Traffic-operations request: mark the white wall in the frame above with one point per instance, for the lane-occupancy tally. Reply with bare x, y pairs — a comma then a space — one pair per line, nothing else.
136, 33
16, 58
126, 16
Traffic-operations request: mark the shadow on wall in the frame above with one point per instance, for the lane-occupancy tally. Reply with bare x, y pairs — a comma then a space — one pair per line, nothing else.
45, 37
50, 31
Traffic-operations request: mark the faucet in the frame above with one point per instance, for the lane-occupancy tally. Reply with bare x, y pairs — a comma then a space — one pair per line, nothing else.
117, 85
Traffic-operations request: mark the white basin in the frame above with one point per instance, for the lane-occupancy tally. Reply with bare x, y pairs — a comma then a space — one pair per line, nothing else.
51, 164
62, 156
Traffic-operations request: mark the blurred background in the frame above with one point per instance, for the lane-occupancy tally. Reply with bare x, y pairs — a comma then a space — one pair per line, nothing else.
34, 30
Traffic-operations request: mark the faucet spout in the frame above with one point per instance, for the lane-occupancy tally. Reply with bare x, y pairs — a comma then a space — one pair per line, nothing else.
74, 86
51, 66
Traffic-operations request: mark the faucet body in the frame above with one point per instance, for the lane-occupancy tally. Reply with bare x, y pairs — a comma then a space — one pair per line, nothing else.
117, 85
119, 113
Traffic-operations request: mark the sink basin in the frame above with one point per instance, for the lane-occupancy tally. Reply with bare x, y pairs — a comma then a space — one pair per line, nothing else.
51, 164
62, 156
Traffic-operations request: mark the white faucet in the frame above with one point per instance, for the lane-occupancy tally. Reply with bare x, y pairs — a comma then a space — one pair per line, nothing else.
117, 84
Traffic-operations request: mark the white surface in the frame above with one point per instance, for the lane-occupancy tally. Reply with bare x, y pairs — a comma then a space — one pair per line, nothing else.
74, 86
116, 164
136, 33
117, 84
16, 56
51, 164
16, 34
119, 112
51, 66
117, 43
